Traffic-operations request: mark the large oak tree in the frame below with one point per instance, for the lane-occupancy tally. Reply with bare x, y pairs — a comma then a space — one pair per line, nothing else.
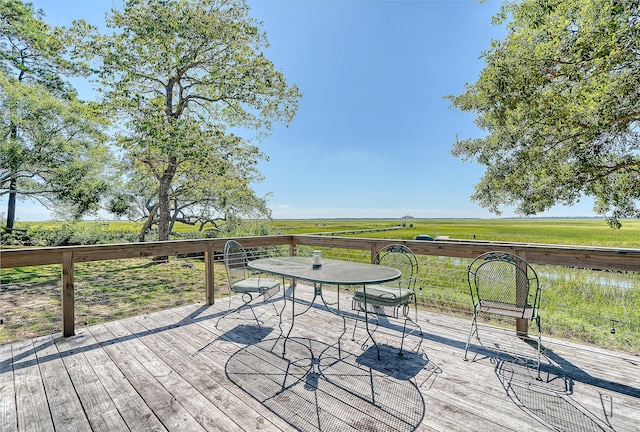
559, 99
181, 75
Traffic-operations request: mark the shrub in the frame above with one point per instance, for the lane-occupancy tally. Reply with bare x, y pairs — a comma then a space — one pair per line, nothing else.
65, 235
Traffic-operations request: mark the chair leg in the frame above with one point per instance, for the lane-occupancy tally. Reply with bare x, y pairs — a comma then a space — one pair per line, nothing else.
404, 332
404, 328
355, 324
271, 299
415, 305
539, 346
474, 324
254, 315
274, 307
366, 324
245, 303
228, 312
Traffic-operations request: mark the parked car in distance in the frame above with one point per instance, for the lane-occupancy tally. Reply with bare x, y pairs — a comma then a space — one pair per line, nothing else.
423, 237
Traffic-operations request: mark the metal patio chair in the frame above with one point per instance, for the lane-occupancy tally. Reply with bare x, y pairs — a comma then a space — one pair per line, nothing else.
503, 284
392, 299
242, 281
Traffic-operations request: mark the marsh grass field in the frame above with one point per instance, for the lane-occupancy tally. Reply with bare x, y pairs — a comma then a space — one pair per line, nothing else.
587, 232
577, 305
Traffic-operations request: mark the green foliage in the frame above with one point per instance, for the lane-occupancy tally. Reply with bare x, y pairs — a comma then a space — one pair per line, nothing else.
57, 155
559, 99
581, 305
240, 228
33, 52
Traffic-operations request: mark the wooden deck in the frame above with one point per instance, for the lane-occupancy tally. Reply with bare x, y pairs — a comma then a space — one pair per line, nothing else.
174, 371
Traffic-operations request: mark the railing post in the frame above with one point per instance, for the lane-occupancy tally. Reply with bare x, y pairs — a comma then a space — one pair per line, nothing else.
373, 253
209, 272
522, 327
68, 306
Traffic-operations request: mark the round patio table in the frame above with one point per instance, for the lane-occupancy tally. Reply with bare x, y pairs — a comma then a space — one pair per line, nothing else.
333, 272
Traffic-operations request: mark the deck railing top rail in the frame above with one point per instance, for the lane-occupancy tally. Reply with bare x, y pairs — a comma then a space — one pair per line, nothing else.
589, 257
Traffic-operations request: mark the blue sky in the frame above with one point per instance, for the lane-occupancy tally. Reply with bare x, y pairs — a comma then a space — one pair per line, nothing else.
373, 135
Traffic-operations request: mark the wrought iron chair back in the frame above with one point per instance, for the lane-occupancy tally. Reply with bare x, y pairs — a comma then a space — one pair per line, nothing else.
235, 262
504, 281
402, 258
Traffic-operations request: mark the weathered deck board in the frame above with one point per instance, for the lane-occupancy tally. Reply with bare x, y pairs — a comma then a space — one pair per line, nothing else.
127, 401
31, 399
175, 371
102, 413
8, 413
61, 396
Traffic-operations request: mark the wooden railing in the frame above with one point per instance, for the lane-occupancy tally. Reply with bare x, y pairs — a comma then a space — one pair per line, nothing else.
570, 256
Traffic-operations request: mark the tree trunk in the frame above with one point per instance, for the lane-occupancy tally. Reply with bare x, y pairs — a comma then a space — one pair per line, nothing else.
11, 205
148, 224
13, 184
163, 201
164, 210
174, 216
